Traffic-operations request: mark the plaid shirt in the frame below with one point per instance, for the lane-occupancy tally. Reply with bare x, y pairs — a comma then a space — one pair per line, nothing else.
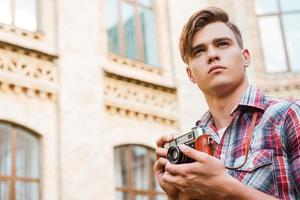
273, 164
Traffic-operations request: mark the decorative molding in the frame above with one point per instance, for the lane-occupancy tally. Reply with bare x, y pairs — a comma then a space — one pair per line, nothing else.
28, 51
134, 64
21, 32
285, 85
137, 99
28, 72
17, 90
285, 94
114, 110
137, 70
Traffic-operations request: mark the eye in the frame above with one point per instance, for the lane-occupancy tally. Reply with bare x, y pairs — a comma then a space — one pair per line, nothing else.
223, 44
198, 52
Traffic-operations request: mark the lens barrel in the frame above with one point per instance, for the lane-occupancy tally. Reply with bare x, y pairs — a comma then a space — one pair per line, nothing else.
175, 156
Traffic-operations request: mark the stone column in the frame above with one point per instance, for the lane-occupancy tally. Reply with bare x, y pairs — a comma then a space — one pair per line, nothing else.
82, 164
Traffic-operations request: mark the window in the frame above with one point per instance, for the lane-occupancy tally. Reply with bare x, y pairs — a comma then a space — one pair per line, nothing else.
280, 33
131, 29
134, 176
19, 163
19, 13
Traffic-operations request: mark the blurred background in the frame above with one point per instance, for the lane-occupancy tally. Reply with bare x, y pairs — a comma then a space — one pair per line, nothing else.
86, 88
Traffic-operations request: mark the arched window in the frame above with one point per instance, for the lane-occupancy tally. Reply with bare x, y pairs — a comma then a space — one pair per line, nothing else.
134, 176
19, 163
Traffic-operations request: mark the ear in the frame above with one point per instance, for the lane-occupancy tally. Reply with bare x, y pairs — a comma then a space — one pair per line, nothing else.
246, 56
190, 74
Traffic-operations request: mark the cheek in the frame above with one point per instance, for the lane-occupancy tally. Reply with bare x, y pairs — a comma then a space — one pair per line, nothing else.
197, 72
236, 60
197, 66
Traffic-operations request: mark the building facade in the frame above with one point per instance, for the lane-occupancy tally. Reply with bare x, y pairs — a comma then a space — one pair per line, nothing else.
87, 87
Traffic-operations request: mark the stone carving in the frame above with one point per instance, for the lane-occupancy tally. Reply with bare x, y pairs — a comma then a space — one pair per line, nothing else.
28, 72
132, 98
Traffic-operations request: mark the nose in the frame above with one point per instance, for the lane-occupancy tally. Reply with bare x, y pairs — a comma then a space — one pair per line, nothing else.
212, 55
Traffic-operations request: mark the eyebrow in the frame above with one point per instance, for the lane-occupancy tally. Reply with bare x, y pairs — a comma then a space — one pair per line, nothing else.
216, 40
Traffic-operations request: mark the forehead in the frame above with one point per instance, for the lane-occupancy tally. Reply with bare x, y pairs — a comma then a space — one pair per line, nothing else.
212, 31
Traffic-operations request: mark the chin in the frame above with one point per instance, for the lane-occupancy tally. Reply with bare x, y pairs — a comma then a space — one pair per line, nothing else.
219, 84
221, 88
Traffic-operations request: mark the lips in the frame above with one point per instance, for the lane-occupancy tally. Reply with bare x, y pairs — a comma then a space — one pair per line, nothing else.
215, 67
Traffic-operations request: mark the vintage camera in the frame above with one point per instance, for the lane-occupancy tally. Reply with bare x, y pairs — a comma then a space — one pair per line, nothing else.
196, 138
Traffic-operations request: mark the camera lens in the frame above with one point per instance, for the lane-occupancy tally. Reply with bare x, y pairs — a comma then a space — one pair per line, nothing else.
175, 156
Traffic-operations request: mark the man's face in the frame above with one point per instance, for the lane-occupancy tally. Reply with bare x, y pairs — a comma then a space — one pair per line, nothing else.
217, 62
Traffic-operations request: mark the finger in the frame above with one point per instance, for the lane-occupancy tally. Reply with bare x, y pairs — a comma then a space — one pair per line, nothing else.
160, 164
163, 139
193, 153
180, 169
161, 152
172, 168
170, 178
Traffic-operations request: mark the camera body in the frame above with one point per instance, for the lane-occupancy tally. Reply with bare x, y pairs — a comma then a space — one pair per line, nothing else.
196, 139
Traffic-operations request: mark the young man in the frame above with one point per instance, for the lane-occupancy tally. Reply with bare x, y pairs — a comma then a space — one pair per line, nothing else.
256, 139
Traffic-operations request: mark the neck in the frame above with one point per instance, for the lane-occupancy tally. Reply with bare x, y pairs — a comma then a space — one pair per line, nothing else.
221, 106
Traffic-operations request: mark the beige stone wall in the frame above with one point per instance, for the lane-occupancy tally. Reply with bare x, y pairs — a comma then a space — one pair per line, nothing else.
82, 168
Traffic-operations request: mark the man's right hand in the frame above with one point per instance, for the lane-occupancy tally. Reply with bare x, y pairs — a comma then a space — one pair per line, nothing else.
159, 167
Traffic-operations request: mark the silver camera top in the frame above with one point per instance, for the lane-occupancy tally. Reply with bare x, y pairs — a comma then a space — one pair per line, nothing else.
187, 138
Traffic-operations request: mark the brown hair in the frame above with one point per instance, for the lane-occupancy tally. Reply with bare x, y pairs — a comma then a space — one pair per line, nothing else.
198, 21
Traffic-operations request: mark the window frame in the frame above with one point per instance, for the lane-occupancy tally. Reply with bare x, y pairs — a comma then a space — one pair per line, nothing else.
138, 31
13, 178
279, 14
13, 15
151, 193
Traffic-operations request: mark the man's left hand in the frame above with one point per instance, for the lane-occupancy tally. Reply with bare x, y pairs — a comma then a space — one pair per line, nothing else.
204, 179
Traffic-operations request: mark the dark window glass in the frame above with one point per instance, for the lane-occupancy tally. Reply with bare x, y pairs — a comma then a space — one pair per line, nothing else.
131, 29
27, 155
140, 168
149, 36
25, 191
129, 26
5, 150
275, 60
290, 5
266, 6
4, 190
121, 168
112, 26
147, 3
292, 34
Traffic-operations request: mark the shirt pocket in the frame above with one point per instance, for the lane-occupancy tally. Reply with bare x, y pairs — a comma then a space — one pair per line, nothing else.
258, 171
